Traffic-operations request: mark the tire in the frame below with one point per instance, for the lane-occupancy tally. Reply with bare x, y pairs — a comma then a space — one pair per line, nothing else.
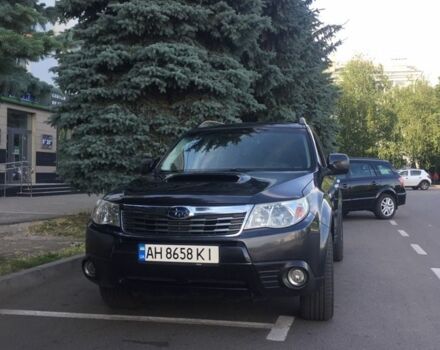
338, 243
385, 207
319, 305
424, 185
117, 298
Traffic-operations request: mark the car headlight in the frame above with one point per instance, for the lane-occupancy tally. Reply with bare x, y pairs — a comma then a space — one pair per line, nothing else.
106, 213
278, 215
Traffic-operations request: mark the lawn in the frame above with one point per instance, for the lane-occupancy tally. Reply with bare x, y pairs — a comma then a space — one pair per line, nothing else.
69, 226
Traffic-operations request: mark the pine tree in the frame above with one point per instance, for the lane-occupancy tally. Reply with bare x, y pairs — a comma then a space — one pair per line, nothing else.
292, 62
142, 72
21, 42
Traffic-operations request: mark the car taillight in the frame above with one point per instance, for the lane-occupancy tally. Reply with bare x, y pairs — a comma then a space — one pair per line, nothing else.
401, 181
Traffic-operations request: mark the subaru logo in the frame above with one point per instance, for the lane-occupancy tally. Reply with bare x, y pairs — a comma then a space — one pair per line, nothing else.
179, 213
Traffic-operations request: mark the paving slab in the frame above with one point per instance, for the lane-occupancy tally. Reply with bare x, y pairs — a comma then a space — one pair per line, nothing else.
22, 209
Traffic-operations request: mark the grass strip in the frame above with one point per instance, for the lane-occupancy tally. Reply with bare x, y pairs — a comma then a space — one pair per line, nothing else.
8, 266
68, 226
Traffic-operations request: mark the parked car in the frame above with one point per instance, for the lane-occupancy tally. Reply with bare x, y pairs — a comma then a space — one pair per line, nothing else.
416, 178
372, 184
252, 207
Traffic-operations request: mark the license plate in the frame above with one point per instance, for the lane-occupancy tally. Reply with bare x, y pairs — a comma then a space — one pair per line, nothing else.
190, 254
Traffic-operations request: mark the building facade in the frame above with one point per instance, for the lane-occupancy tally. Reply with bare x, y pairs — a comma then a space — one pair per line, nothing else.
398, 71
402, 74
28, 143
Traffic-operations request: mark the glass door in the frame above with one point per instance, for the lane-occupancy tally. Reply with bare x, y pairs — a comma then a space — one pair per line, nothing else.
17, 150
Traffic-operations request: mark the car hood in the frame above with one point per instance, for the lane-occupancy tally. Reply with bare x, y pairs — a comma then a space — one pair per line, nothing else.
198, 189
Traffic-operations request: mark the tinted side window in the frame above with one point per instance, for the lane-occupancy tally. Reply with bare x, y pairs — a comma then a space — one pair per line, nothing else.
404, 173
416, 173
384, 169
359, 170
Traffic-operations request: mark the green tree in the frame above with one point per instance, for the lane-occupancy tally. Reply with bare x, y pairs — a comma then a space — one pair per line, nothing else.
139, 73
20, 41
142, 72
418, 110
292, 59
364, 110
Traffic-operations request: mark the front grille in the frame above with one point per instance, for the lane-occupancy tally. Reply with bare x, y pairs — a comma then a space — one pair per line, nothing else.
154, 221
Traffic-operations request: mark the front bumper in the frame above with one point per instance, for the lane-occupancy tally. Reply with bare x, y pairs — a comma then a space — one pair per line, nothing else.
255, 261
401, 198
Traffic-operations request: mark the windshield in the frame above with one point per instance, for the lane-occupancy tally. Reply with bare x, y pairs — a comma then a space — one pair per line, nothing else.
241, 150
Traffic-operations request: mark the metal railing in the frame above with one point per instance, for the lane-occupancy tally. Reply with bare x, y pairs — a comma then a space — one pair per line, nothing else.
17, 174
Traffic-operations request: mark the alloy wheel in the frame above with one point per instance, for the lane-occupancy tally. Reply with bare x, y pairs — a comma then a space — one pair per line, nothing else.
387, 206
424, 185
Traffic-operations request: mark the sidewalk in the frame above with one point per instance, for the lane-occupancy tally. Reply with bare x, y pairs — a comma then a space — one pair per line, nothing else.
23, 209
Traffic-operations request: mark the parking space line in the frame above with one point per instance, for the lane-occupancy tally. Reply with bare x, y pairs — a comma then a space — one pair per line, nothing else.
393, 222
281, 328
278, 330
403, 233
419, 250
436, 271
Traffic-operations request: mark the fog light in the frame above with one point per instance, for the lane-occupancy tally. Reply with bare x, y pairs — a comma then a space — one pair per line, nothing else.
89, 269
296, 277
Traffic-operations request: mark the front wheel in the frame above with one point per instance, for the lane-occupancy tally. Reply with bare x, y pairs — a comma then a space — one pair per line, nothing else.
385, 206
319, 305
424, 185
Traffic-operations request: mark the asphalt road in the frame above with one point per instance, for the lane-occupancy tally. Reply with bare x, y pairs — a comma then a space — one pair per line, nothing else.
387, 297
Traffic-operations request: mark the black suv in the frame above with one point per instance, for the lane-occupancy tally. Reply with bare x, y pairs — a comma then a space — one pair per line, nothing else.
372, 184
252, 207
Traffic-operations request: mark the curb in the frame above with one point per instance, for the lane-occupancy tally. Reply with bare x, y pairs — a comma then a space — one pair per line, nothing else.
40, 218
30, 278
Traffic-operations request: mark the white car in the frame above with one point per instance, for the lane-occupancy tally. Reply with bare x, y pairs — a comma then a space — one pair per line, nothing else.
416, 178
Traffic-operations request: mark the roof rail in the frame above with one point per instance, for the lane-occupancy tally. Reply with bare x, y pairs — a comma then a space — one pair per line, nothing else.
303, 121
209, 123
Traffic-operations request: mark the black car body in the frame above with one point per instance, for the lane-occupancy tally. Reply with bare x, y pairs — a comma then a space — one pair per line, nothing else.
370, 183
211, 207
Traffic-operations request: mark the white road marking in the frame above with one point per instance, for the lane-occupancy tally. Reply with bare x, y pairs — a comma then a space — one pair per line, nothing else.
278, 331
393, 222
419, 250
281, 328
436, 271
403, 233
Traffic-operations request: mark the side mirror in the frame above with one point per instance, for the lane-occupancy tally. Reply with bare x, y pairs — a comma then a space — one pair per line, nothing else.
338, 164
148, 165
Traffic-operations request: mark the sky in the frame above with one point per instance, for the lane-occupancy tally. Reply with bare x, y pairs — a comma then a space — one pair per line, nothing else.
380, 30
41, 69
383, 30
